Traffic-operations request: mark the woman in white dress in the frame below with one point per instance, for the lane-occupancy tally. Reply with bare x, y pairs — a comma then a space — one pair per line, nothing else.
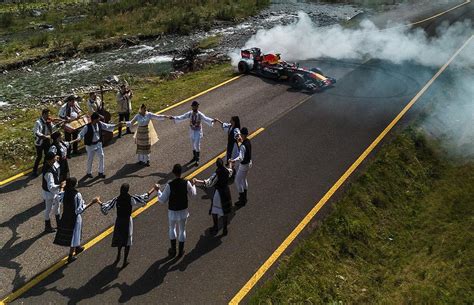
70, 225
222, 200
145, 135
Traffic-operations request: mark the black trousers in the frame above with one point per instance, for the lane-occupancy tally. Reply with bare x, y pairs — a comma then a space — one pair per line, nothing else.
124, 116
71, 136
39, 154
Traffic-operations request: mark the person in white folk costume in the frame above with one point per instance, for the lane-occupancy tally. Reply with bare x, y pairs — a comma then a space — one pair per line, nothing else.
176, 195
123, 229
195, 118
69, 112
92, 135
70, 226
222, 200
145, 135
245, 159
51, 188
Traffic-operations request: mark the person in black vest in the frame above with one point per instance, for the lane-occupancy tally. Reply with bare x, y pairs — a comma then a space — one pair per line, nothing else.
92, 135
245, 159
233, 130
222, 200
51, 189
70, 225
42, 131
60, 148
123, 229
176, 194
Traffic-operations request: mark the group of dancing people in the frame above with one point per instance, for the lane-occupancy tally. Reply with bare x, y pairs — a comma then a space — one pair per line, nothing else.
59, 189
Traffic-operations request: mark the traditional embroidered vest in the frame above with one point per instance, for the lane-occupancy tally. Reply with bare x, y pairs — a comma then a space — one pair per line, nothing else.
195, 121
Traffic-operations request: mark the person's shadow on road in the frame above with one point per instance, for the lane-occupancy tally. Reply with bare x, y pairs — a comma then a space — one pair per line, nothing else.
153, 277
98, 284
205, 244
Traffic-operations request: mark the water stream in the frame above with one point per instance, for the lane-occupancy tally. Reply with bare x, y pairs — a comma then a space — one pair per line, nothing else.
31, 85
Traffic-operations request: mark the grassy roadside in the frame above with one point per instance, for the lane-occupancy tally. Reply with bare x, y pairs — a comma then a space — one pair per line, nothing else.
82, 25
402, 234
16, 137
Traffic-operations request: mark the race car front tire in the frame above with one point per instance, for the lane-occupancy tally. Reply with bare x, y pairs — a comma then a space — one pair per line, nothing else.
243, 67
296, 81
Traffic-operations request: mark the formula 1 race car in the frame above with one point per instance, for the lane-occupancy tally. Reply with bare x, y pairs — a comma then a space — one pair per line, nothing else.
271, 66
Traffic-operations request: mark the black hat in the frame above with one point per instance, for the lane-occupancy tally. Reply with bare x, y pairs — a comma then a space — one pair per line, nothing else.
72, 97
194, 104
50, 155
95, 116
244, 131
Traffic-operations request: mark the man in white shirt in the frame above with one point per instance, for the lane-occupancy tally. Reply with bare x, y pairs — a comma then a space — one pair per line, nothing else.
42, 131
176, 194
69, 112
94, 104
51, 189
92, 136
195, 118
124, 106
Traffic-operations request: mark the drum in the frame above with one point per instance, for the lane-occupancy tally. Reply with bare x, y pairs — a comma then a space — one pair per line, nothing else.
77, 124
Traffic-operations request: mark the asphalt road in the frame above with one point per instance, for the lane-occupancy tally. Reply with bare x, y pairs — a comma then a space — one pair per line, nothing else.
309, 141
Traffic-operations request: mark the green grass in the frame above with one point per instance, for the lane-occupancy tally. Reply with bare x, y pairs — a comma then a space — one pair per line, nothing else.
16, 136
402, 234
103, 22
210, 42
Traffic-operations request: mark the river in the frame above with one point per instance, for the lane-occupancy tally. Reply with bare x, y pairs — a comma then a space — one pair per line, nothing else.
33, 85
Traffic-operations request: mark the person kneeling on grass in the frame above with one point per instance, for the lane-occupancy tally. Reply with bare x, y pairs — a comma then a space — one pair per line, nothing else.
70, 225
123, 229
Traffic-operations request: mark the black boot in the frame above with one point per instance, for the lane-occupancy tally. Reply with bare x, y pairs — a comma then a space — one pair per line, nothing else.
47, 227
245, 197
172, 249
58, 219
197, 158
194, 157
181, 249
224, 224
215, 227
240, 203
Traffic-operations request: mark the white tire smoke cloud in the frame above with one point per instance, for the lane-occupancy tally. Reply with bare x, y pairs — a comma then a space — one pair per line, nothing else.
304, 40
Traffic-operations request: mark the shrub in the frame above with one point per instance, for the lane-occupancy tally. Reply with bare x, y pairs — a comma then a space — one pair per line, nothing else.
59, 41
39, 40
76, 41
6, 20
227, 13
100, 33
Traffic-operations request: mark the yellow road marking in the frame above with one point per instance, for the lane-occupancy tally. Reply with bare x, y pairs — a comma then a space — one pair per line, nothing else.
19, 175
440, 14
299, 228
14, 295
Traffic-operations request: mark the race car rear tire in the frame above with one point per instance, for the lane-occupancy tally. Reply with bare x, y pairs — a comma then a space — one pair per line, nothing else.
296, 81
243, 67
